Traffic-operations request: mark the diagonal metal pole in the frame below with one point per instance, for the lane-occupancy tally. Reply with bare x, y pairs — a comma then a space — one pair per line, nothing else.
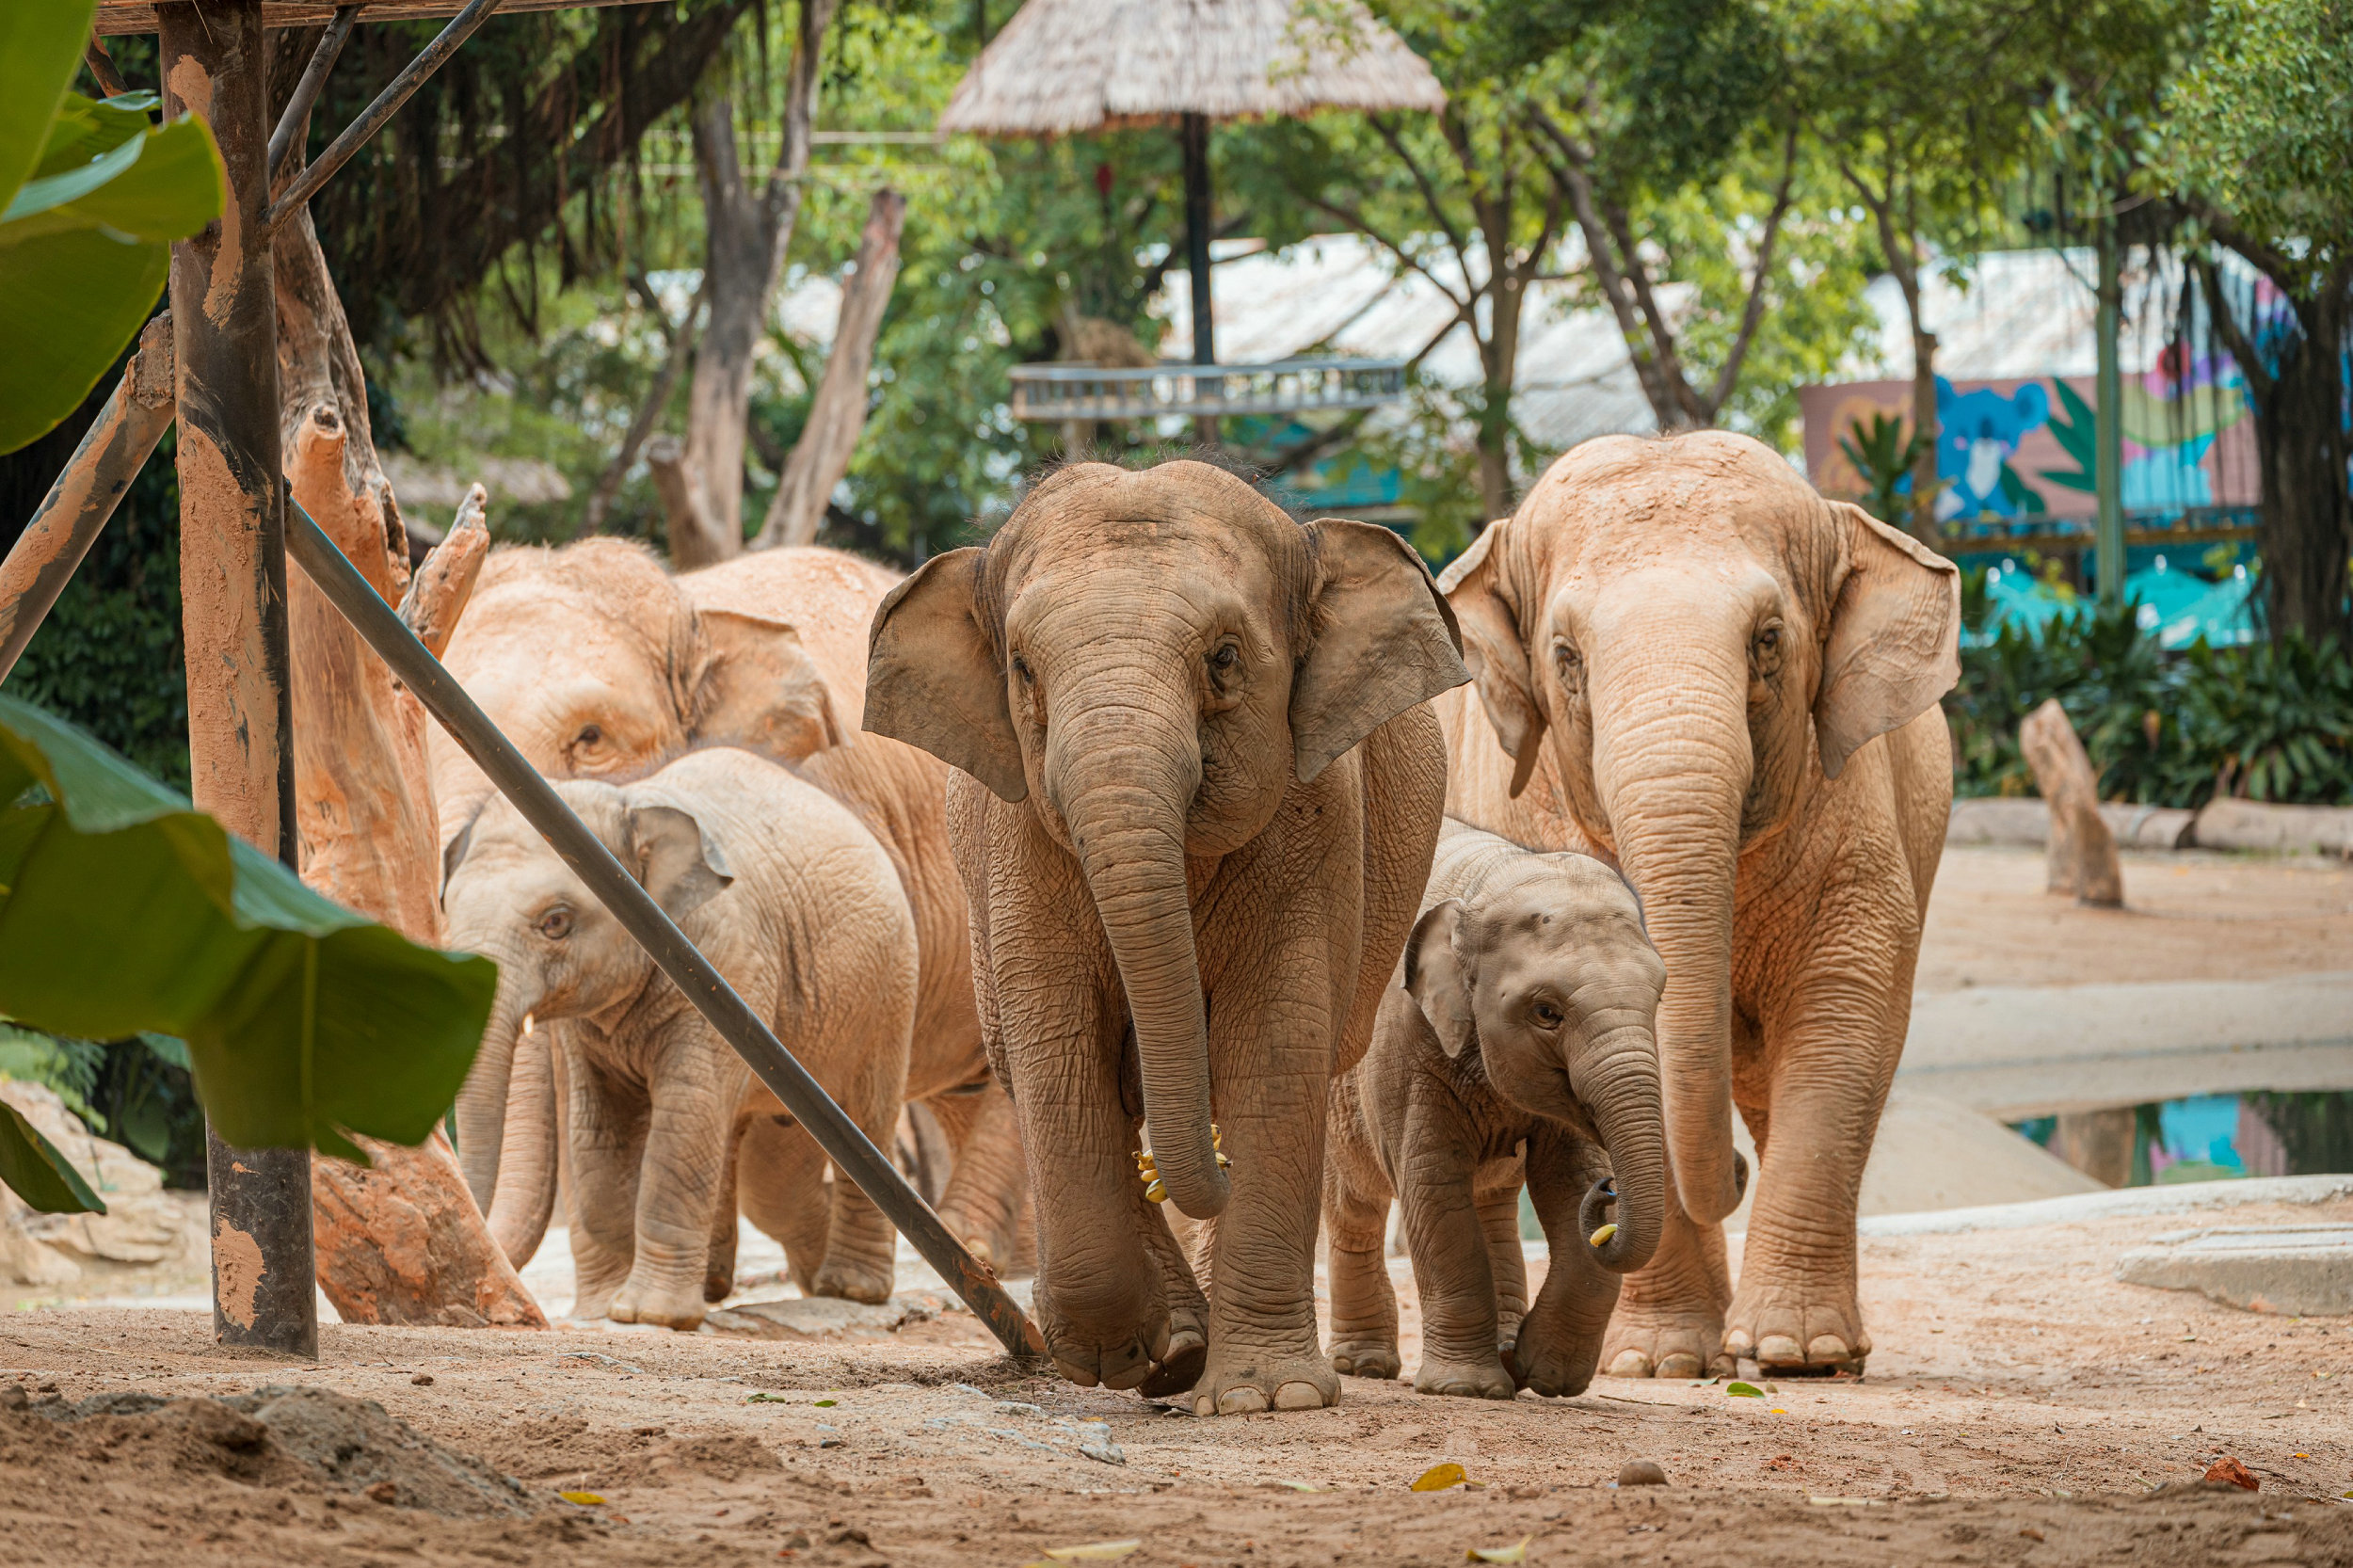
386, 105
306, 92
118, 442
849, 1148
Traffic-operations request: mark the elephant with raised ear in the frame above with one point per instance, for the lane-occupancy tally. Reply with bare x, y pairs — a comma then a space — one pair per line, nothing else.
598, 663
1197, 798
1514, 1045
801, 908
1689, 661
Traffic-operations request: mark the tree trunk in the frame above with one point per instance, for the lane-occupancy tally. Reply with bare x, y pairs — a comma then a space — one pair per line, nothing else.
1925, 428
837, 411
402, 1242
747, 233
2082, 850
2306, 519
641, 424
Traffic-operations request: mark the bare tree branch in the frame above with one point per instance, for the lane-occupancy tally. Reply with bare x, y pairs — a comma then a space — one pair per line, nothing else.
1753, 313
1387, 128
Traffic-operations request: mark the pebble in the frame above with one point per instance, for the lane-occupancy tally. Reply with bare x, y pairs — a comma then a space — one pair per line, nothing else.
423, 1379
1642, 1472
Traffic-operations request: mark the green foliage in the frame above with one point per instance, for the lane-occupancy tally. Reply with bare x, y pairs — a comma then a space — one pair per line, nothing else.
94, 196
66, 1066
1883, 455
2270, 722
304, 1023
31, 1167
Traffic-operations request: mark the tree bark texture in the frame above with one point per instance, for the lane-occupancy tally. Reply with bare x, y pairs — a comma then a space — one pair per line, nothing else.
2081, 854
837, 411
402, 1242
2098, 1143
747, 232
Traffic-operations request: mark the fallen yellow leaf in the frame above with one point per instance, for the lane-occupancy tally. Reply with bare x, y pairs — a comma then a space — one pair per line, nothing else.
1515, 1553
585, 1499
1439, 1477
1295, 1485
1095, 1551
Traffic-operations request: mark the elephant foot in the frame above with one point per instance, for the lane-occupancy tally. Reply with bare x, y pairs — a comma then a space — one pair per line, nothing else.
1466, 1379
854, 1282
1242, 1381
663, 1305
1180, 1368
1788, 1335
1556, 1366
1653, 1342
1366, 1358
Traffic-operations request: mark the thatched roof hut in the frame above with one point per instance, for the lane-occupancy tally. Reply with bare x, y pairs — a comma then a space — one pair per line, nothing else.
1064, 66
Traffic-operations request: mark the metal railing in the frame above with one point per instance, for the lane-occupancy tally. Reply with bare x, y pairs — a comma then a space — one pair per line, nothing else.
1049, 393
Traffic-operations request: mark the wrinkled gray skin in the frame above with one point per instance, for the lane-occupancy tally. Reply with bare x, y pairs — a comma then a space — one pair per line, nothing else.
1520, 1017
803, 911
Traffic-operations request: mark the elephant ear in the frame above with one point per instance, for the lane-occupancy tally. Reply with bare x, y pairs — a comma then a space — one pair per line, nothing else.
454, 853
1474, 586
675, 859
1384, 640
1436, 976
755, 687
933, 679
1893, 646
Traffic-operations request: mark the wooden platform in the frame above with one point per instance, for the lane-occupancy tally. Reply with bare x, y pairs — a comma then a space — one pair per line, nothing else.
138, 16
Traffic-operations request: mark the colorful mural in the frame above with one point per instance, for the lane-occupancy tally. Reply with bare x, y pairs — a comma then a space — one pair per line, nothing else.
2017, 453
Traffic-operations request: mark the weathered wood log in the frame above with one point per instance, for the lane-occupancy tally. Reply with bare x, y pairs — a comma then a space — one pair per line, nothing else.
2098, 1143
2082, 858
837, 410
438, 592
683, 507
398, 1241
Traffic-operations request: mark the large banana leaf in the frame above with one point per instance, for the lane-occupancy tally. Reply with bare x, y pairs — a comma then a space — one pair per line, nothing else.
94, 195
124, 909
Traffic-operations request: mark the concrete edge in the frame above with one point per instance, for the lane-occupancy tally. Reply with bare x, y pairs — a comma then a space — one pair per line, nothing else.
2129, 1201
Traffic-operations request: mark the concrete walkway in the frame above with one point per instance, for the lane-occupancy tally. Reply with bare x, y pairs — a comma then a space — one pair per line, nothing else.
2019, 1051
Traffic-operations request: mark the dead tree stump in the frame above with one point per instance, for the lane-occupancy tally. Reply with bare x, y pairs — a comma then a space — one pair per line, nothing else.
2082, 849
2098, 1143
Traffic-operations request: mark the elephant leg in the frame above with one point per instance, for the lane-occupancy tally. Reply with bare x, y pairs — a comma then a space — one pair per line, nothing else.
607, 1126
1453, 1270
982, 1205
1187, 1304
696, 1085
1797, 1310
780, 1187
1364, 1302
1669, 1320
1507, 1260
719, 1268
1559, 1340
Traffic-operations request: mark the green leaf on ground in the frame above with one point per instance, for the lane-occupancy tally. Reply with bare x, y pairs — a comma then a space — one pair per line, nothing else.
36, 1172
1744, 1390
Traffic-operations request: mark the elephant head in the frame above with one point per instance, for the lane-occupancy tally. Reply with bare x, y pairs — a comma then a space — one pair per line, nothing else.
1150, 658
561, 955
1699, 642
1546, 971
597, 663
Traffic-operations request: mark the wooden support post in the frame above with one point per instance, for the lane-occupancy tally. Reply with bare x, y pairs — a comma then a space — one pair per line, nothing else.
2097, 1143
1200, 218
2082, 847
215, 61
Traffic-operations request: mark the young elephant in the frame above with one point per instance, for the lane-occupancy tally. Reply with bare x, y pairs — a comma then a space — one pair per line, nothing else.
1203, 794
803, 911
1514, 1043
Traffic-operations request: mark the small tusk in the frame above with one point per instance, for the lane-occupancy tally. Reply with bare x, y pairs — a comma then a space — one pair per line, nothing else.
529, 1024
1601, 1236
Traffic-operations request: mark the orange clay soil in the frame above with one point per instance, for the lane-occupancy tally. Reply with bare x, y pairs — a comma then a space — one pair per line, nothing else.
2024, 1407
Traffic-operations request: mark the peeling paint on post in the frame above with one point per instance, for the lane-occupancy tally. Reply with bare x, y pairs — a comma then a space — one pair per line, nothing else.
232, 587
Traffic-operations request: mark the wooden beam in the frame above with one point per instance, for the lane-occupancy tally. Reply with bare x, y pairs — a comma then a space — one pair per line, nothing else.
138, 16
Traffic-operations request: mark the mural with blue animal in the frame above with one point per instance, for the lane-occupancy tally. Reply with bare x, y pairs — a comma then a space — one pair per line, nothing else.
1977, 434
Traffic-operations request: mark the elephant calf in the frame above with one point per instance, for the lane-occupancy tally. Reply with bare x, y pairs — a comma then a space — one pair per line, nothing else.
783, 888
1514, 1043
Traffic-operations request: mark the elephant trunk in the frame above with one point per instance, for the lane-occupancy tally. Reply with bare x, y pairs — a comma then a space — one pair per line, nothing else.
1122, 776
1672, 763
524, 1198
1618, 1081
481, 1109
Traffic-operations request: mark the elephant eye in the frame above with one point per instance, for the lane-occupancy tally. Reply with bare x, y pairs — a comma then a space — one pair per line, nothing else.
1769, 638
556, 923
1547, 1015
1767, 649
590, 735
1225, 657
1021, 668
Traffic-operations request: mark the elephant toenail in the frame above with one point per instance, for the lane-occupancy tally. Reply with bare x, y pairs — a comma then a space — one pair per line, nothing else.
1736, 1344
1679, 1366
1240, 1402
1204, 1406
1630, 1363
1825, 1348
1299, 1395
1779, 1350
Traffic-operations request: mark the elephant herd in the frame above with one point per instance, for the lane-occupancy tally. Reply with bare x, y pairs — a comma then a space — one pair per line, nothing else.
1211, 879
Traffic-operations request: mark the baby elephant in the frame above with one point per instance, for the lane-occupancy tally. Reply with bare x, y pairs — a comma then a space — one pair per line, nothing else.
802, 910
1514, 1043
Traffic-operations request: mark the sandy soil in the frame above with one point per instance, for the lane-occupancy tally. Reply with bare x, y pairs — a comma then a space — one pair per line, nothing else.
2186, 916
2024, 1408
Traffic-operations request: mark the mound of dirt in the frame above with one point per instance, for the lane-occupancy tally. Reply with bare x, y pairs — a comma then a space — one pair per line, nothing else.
274, 1436
728, 1457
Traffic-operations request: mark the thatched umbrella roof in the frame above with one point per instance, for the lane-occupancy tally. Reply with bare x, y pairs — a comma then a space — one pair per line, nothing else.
1064, 66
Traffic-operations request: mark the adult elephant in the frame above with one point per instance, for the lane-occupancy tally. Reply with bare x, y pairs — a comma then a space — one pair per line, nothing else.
597, 663
1688, 660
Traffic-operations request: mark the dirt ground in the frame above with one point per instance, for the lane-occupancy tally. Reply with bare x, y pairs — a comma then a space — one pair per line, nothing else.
2023, 1406
2188, 915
